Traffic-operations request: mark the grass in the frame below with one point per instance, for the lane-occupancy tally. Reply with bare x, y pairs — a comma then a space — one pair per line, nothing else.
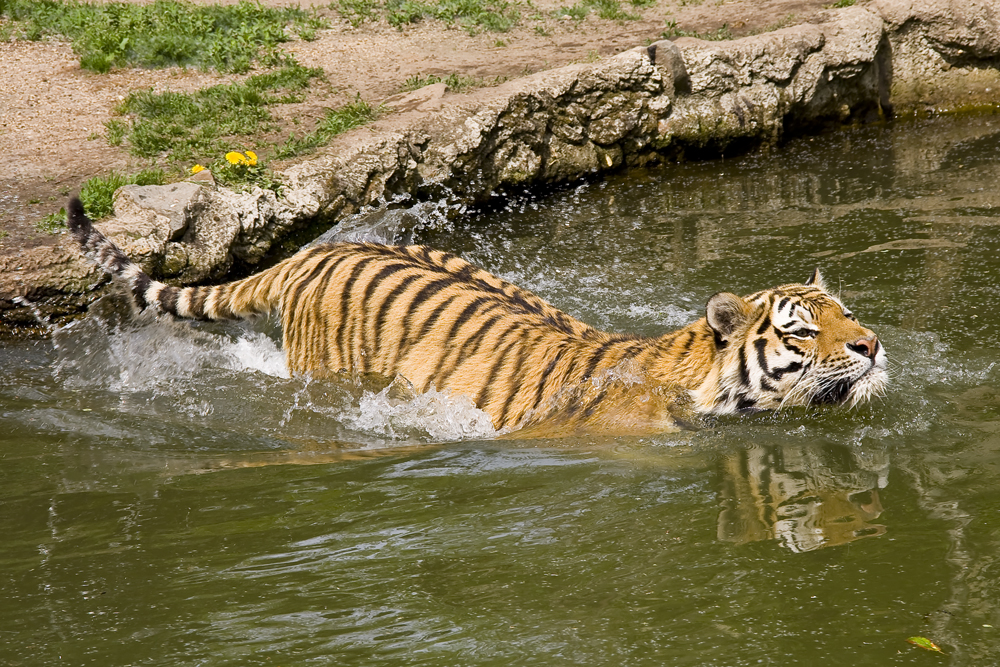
457, 83
188, 126
97, 193
474, 15
720, 34
97, 196
337, 121
605, 9
163, 33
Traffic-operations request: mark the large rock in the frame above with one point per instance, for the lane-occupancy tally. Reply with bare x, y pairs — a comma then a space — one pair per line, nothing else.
687, 98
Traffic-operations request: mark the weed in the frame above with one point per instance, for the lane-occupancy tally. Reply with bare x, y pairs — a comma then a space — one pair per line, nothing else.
337, 121
185, 126
4, 234
163, 33
356, 11
241, 170
97, 193
606, 9
53, 223
457, 83
473, 15
718, 35
840, 4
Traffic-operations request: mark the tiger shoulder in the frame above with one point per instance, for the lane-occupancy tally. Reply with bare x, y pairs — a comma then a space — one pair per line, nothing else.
439, 321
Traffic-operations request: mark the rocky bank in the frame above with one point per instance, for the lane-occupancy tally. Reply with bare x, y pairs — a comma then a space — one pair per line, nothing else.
671, 100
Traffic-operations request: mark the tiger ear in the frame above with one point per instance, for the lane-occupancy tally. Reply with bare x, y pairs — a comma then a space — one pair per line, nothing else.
726, 312
817, 280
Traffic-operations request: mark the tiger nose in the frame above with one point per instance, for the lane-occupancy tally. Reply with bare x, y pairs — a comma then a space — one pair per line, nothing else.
865, 346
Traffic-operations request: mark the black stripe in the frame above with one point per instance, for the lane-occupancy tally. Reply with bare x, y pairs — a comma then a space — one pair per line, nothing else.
321, 314
426, 292
686, 347
197, 301
761, 345
383, 310
793, 367
486, 392
744, 371
765, 323
469, 347
139, 287
168, 299
303, 283
597, 357
515, 383
428, 323
383, 273
544, 380
345, 303
594, 403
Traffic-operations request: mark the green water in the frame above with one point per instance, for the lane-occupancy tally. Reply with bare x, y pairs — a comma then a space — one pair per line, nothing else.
169, 496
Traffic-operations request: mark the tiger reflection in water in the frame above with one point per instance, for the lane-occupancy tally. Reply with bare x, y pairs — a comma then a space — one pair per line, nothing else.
805, 496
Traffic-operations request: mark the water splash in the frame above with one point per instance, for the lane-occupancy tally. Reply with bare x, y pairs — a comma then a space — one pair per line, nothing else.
442, 416
227, 376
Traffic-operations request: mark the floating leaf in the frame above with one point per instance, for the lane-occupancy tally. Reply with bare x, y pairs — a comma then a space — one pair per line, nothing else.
925, 643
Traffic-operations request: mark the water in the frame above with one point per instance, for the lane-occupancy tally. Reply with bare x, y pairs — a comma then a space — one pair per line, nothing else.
169, 495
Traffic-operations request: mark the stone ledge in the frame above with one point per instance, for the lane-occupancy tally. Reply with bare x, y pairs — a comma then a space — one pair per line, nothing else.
671, 100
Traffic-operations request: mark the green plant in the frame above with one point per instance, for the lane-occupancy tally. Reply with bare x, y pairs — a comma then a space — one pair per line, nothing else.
473, 15
164, 33
606, 9
457, 83
722, 33
840, 4
97, 194
53, 223
186, 126
337, 121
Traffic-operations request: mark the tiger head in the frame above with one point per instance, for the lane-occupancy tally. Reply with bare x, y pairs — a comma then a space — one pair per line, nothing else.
791, 345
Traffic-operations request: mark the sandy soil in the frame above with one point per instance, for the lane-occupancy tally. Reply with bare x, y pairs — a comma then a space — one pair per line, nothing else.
52, 113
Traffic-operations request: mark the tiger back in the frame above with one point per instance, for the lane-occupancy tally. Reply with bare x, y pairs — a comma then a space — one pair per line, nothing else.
438, 321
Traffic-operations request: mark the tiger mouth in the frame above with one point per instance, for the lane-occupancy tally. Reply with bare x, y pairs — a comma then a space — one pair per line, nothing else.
837, 393
840, 391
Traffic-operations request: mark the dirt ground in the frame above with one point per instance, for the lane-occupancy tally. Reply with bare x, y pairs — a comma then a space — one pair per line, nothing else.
52, 113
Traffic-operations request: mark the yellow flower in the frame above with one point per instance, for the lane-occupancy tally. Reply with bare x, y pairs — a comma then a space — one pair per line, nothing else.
195, 169
232, 157
251, 158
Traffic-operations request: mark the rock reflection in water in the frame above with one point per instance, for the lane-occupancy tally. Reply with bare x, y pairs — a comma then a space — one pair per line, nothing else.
806, 496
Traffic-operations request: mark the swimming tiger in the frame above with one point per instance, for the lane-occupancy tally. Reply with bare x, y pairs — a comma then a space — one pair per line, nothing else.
440, 322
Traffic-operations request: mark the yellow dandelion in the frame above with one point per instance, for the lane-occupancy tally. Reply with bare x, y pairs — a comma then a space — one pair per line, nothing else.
251, 158
232, 157
197, 168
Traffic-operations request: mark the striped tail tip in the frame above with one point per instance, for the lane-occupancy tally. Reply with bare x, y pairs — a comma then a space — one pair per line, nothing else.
79, 224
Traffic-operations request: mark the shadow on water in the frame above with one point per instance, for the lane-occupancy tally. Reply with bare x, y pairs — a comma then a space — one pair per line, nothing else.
344, 520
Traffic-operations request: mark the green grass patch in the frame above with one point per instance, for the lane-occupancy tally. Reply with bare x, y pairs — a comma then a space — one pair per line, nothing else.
97, 193
474, 15
605, 9
337, 121
188, 126
164, 33
720, 34
457, 83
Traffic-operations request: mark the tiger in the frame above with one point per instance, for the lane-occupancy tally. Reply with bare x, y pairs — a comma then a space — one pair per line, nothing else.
437, 321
